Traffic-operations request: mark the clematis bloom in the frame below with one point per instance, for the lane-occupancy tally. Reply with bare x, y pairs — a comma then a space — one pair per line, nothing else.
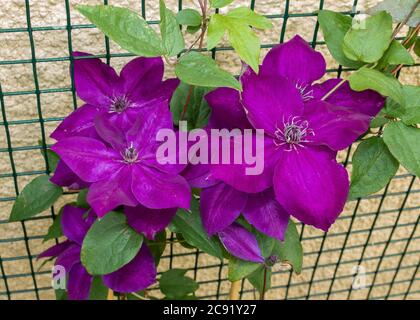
123, 169
137, 275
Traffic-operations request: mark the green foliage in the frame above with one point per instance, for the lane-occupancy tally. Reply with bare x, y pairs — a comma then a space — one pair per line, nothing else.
52, 157
220, 3
411, 113
109, 244
367, 40
191, 227
199, 70
37, 196
126, 28
196, 112
257, 279
366, 78
82, 199
98, 291
157, 246
172, 38
403, 142
189, 17
380, 119
175, 285
396, 54
334, 26
242, 38
398, 9
290, 251
55, 231
373, 167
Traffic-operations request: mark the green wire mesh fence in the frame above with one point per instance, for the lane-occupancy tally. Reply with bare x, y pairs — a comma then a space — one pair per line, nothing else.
371, 252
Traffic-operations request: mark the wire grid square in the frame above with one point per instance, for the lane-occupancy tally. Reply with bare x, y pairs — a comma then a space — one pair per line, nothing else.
36, 91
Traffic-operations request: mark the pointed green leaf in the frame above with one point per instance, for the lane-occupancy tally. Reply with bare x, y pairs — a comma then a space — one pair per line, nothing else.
403, 142
365, 78
109, 244
334, 26
399, 10
126, 28
220, 3
98, 291
215, 31
55, 231
412, 105
373, 167
82, 199
157, 246
396, 54
257, 279
247, 16
172, 38
175, 285
199, 70
37, 196
191, 227
367, 40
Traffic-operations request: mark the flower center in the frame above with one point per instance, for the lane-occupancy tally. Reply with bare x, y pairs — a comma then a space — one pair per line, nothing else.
305, 91
294, 133
130, 154
119, 104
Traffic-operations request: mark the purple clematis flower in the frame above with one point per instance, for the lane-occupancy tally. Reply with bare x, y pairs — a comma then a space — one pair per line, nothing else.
296, 61
137, 275
221, 204
118, 98
124, 170
302, 137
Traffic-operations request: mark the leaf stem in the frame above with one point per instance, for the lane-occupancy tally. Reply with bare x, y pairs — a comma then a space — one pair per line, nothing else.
235, 287
262, 296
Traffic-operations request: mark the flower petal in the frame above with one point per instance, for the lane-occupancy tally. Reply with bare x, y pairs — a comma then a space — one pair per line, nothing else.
64, 177
295, 60
266, 214
77, 123
137, 275
241, 243
69, 257
220, 206
73, 223
148, 221
107, 194
55, 250
158, 190
199, 176
89, 158
311, 186
226, 109
79, 283
368, 102
269, 101
236, 174
335, 127
95, 81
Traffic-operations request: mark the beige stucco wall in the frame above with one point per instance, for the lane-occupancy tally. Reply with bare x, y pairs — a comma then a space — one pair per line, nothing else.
54, 75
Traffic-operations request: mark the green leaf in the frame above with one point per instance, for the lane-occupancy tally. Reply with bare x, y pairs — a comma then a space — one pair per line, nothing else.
183, 242
55, 231
215, 31
373, 167
247, 16
290, 251
172, 38
109, 244
398, 9
126, 28
157, 246
379, 120
334, 26
189, 17
191, 227
396, 54
412, 105
368, 39
98, 291
197, 111
417, 48
82, 199
175, 285
60, 294
220, 3
366, 78
37, 196
242, 38
192, 30
403, 142
199, 70
257, 279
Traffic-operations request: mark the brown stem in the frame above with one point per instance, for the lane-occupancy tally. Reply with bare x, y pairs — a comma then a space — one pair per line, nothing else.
235, 287
413, 34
